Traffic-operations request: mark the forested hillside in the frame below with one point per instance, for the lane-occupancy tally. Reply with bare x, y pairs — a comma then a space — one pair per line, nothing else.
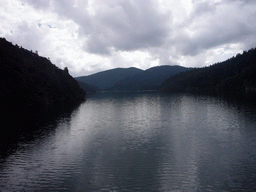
150, 79
233, 77
32, 88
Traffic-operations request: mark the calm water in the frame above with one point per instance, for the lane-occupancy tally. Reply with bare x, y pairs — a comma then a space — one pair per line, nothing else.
139, 142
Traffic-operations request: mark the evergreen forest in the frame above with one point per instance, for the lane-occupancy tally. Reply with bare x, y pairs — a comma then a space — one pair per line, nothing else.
233, 78
32, 89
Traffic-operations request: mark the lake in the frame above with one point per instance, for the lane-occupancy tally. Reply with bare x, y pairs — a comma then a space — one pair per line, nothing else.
139, 142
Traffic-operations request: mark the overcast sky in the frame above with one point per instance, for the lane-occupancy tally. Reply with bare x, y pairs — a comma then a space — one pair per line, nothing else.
89, 36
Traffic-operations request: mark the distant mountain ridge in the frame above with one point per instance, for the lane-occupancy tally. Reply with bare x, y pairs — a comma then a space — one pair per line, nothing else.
150, 79
89, 89
106, 79
129, 79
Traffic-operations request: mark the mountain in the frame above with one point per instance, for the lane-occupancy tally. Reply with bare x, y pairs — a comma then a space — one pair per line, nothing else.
233, 77
89, 89
150, 79
106, 79
32, 88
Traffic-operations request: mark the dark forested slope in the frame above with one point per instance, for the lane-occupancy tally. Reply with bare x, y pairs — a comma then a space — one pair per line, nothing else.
32, 87
106, 79
233, 77
150, 79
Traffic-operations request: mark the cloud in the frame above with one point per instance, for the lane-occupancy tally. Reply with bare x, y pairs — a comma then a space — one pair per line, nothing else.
38, 4
30, 35
93, 35
215, 25
126, 25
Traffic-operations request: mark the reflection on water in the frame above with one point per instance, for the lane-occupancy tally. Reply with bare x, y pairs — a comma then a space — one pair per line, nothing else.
140, 142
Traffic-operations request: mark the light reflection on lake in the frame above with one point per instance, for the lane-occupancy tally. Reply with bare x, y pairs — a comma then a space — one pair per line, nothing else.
140, 142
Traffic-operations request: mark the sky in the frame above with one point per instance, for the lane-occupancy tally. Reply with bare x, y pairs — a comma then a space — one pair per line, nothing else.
89, 36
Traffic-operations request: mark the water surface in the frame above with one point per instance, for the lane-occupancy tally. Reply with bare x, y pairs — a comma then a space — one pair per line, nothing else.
139, 142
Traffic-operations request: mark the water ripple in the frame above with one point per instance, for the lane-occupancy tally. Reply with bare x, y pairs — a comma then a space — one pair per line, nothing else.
142, 142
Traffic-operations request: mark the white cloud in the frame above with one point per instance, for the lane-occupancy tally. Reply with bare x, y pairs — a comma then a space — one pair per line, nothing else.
126, 25
88, 36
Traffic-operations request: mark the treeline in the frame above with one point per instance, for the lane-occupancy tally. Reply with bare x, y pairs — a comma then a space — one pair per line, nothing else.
235, 77
32, 88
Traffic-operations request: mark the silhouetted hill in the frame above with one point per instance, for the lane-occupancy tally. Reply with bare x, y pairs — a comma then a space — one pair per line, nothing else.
32, 88
150, 79
106, 79
233, 77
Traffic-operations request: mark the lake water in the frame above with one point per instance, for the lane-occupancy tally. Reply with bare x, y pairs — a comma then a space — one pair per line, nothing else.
139, 142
